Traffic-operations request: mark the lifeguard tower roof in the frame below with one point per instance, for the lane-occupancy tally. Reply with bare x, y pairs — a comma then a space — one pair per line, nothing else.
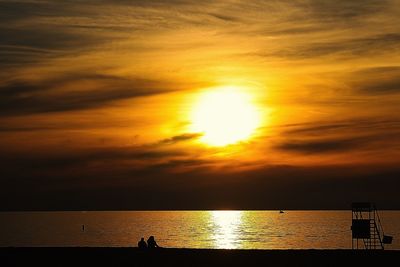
362, 206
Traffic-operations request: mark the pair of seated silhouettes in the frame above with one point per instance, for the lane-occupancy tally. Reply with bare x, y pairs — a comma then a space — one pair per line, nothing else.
151, 243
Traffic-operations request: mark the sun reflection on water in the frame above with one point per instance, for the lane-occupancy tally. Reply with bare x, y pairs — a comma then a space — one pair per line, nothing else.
226, 231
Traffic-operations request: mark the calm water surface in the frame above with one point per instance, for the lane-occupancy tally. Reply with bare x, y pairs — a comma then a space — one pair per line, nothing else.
188, 229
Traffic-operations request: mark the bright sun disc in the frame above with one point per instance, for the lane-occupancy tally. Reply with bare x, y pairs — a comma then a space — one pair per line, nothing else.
224, 116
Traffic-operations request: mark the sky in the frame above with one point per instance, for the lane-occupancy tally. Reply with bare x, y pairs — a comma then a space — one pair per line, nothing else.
102, 104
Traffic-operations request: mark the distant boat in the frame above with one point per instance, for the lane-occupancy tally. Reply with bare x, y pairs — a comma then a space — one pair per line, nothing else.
281, 211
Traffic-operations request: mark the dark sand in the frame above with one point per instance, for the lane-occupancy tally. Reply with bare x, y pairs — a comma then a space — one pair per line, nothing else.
86, 256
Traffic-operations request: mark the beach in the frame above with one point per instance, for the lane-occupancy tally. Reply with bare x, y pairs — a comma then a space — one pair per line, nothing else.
106, 256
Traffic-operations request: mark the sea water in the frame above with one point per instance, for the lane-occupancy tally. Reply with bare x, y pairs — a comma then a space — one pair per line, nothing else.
189, 229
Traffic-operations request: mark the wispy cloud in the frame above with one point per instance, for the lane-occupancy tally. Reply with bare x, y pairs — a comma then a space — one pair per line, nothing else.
352, 136
86, 91
180, 138
377, 80
350, 48
321, 146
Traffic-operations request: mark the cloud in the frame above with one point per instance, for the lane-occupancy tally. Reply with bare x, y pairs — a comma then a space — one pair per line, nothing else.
34, 31
344, 48
353, 135
223, 17
24, 97
15, 55
18, 128
316, 128
64, 159
357, 125
36, 44
180, 138
320, 146
142, 157
305, 16
337, 10
381, 87
376, 80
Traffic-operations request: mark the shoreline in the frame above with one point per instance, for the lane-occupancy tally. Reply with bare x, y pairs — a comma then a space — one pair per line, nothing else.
130, 256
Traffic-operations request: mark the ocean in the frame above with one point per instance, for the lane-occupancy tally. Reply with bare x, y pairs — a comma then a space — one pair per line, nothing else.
188, 229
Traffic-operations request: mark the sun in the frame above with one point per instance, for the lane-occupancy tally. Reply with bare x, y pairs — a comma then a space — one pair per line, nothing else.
224, 116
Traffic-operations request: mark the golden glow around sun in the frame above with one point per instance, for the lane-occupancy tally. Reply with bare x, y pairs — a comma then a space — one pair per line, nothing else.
225, 115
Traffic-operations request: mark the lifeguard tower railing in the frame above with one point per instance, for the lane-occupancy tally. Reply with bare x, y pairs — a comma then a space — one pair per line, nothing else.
367, 230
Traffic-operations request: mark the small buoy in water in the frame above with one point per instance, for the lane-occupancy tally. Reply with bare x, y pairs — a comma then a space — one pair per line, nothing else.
281, 211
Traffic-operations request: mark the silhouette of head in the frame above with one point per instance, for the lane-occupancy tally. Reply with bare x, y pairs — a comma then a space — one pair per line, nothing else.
151, 238
142, 239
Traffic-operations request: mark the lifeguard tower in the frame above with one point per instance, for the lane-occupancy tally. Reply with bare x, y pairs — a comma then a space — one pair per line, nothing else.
366, 227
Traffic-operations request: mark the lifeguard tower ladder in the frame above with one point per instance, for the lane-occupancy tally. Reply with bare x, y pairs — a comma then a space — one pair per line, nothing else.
366, 226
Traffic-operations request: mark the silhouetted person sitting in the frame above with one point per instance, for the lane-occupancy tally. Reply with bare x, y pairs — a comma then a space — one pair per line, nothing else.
142, 244
151, 243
